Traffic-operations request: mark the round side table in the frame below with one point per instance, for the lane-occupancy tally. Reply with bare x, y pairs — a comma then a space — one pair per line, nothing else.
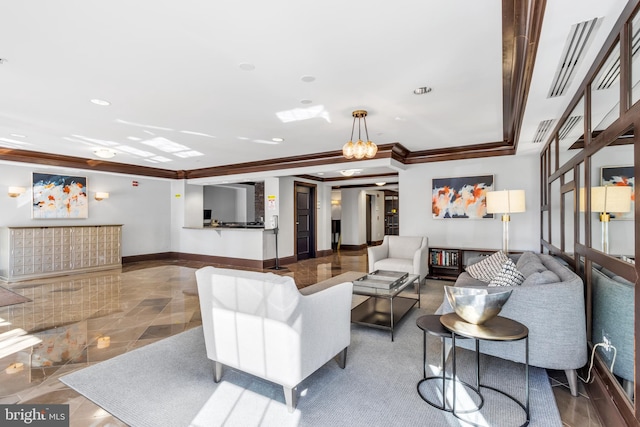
431, 324
496, 329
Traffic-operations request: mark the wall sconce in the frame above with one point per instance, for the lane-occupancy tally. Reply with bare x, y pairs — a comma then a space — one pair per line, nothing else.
16, 191
505, 202
101, 196
335, 202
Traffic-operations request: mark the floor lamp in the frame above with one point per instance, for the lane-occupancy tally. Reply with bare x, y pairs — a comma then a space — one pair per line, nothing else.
505, 202
610, 198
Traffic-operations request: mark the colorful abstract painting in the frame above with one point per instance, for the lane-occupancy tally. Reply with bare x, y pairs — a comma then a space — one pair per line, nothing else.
463, 197
624, 176
59, 196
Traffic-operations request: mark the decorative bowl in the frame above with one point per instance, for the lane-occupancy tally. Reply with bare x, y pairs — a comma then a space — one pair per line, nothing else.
477, 305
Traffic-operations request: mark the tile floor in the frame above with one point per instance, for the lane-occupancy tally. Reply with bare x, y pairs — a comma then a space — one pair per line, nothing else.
145, 302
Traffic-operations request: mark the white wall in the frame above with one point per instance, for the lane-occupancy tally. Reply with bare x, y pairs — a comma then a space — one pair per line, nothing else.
510, 172
143, 210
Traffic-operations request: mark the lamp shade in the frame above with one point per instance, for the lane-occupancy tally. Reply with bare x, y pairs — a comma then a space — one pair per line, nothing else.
611, 198
506, 201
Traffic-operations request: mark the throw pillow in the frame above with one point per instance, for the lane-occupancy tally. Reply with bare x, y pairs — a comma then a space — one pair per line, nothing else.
488, 268
530, 263
508, 276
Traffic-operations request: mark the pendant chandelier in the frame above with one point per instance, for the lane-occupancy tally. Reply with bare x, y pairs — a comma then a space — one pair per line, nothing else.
360, 149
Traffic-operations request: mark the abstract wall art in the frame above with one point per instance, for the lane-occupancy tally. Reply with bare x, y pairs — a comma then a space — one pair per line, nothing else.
462, 197
59, 196
622, 176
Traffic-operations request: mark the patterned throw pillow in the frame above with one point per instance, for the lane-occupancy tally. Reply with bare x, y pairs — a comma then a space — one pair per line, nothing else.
508, 276
488, 268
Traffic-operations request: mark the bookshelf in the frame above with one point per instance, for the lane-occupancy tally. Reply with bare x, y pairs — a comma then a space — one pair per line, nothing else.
448, 263
445, 263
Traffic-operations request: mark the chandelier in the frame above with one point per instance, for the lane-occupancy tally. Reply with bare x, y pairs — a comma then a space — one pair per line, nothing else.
360, 149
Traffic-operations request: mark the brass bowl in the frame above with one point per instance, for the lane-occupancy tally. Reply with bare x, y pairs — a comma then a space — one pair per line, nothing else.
477, 305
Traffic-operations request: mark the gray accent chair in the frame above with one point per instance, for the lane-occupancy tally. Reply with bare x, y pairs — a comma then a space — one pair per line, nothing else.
400, 253
550, 302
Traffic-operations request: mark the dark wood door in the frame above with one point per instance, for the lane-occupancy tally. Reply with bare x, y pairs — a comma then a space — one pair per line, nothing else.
305, 238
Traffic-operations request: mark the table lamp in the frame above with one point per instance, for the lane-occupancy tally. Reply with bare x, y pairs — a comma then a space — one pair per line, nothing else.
607, 199
505, 202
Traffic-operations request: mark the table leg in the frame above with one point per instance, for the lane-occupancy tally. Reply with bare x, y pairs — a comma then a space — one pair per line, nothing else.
391, 316
453, 370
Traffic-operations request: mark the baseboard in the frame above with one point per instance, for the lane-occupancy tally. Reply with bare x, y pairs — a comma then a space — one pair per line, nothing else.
353, 247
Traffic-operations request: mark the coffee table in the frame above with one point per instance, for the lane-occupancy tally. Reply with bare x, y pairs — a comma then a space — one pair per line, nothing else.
383, 308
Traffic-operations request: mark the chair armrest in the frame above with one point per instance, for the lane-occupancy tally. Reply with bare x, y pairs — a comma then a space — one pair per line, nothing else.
420, 262
326, 324
375, 254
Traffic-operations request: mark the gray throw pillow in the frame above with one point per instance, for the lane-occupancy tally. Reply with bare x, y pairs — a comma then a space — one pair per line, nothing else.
530, 263
508, 276
488, 268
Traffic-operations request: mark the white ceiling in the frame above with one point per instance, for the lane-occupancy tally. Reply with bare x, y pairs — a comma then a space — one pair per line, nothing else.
173, 73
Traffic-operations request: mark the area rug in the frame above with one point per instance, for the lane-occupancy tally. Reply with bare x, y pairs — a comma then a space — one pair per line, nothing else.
170, 383
8, 297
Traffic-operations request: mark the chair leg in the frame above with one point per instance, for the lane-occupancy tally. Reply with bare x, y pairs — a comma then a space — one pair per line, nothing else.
572, 378
290, 397
217, 371
341, 358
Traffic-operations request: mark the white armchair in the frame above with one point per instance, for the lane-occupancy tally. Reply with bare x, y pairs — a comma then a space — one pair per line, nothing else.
400, 253
259, 323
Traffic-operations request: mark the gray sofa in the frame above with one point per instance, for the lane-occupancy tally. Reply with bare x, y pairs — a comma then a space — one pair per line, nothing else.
613, 307
550, 302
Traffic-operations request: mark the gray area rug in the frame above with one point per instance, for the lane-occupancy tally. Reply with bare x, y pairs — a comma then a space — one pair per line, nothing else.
170, 383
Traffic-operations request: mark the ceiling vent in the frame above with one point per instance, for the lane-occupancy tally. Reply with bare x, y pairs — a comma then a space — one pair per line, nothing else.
574, 50
568, 126
543, 130
611, 70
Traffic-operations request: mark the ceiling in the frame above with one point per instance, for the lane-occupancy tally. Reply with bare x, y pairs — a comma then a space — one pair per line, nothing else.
200, 84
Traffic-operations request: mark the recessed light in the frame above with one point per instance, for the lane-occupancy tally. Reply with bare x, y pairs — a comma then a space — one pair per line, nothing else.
306, 101
18, 135
277, 139
320, 173
380, 184
100, 102
307, 79
245, 66
104, 153
422, 90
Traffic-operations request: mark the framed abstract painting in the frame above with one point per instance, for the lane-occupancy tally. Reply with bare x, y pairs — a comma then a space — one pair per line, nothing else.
619, 176
59, 196
462, 197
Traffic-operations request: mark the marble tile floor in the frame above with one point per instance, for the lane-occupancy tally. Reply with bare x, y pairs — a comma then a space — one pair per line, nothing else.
144, 302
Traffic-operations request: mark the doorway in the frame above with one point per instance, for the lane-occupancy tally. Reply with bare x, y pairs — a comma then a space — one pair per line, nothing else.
371, 200
305, 225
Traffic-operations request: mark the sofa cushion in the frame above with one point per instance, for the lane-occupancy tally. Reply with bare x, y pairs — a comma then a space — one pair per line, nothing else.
488, 268
541, 278
508, 276
530, 263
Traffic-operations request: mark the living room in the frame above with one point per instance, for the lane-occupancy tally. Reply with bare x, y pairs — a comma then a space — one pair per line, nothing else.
160, 208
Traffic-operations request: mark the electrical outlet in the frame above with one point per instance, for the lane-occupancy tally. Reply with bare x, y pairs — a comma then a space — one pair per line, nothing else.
607, 343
